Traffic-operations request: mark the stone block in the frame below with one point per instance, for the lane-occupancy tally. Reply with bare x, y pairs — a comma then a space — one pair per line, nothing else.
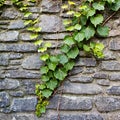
114, 90
115, 44
114, 77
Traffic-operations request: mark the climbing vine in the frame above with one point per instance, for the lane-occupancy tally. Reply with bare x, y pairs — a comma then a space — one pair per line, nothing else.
85, 21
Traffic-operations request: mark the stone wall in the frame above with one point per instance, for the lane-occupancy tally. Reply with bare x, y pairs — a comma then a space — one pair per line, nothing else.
92, 89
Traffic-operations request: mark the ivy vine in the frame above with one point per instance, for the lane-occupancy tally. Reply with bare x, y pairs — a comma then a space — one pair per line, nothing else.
86, 21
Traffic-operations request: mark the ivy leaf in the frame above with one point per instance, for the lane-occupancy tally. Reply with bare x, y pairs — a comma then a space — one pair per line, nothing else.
44, 70
92, 45
91, 12
69, 40
77, 27
86, 48
77, 14
45, 78
79, 36
90, 0
69, 65
51, 65
44, 57
89, 32
42, 109
38, 29
83, 20
98, 5
63, 59
65, 6
73, 52
27, 14
116, 5
54, 59
70, 12
42, 86
71, 3
65, 48
27, 22
38, 42
95, 20
71, 28
59, 74
33, 36
47, 44
42, 49
46, 93
103, 31
52, 84
67, 22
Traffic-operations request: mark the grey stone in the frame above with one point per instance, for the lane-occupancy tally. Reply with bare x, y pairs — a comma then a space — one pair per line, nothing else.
9, 36
22, 74
71, 103
4, 22
55, 36
82, 89
26, 47
4, 99
110, 65
50, 6
86, 62
89, 70
114, 90
17, 24
15, 62
100, 75
24, 104
4, 59
34, 9
2, 73
33, 16
17, 93
5, 116
15, 55
81, 78
103, 82
114, 33
76, 70
10, 13
47, 26
32, 62
115, 76
9, 84
29, 86
115, 44
107, 104
78, 117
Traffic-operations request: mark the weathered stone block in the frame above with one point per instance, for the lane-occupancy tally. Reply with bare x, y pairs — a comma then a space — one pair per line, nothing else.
15, 55
114, 90
115, 76
17, 93
4, 59
100, 75
4, 99
32, 62
107, 104
110, 65
115, 44
24, 104
103, 82
9, 36
50, 6
71, 103
51, 23
82, 89
76, 70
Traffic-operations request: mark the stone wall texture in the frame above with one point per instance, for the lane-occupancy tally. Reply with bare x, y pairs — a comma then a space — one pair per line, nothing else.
90, 92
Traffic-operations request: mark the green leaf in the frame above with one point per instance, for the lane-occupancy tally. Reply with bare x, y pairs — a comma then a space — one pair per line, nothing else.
45, 78
44, 70
92, 45
96, 20
42, 109
52, 84
99, 5
42, 49
99, 46
54, 59
70, 12
44, 57
65, 6
46, 93
33, 36
91, 12
27, 22
51, 65
116, 5
47, 44
63, 59
77, 14
77, 27
67, 22
69, 40
38, 29
42, 86
79, 36
71, 28
73, 52
65, 48
27, 14
89, 32
38, 42
30, 28
83, 20
86, 48
59, 74
103, 31
69, 65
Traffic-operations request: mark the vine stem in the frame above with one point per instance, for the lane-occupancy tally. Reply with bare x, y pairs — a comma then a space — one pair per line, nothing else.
108, 18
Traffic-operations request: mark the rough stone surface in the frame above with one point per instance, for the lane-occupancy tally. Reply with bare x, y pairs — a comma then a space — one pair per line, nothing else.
76, 70
86, 62
17, 93
32, 62
50, 6
24, 104
9, 36
100, 75
82, 89
114, 90
25, 37
15, 55
107, 104
115, 77
84, 79
115, 44
110, 65
4, 99
4, 59
103, 82
48, 26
